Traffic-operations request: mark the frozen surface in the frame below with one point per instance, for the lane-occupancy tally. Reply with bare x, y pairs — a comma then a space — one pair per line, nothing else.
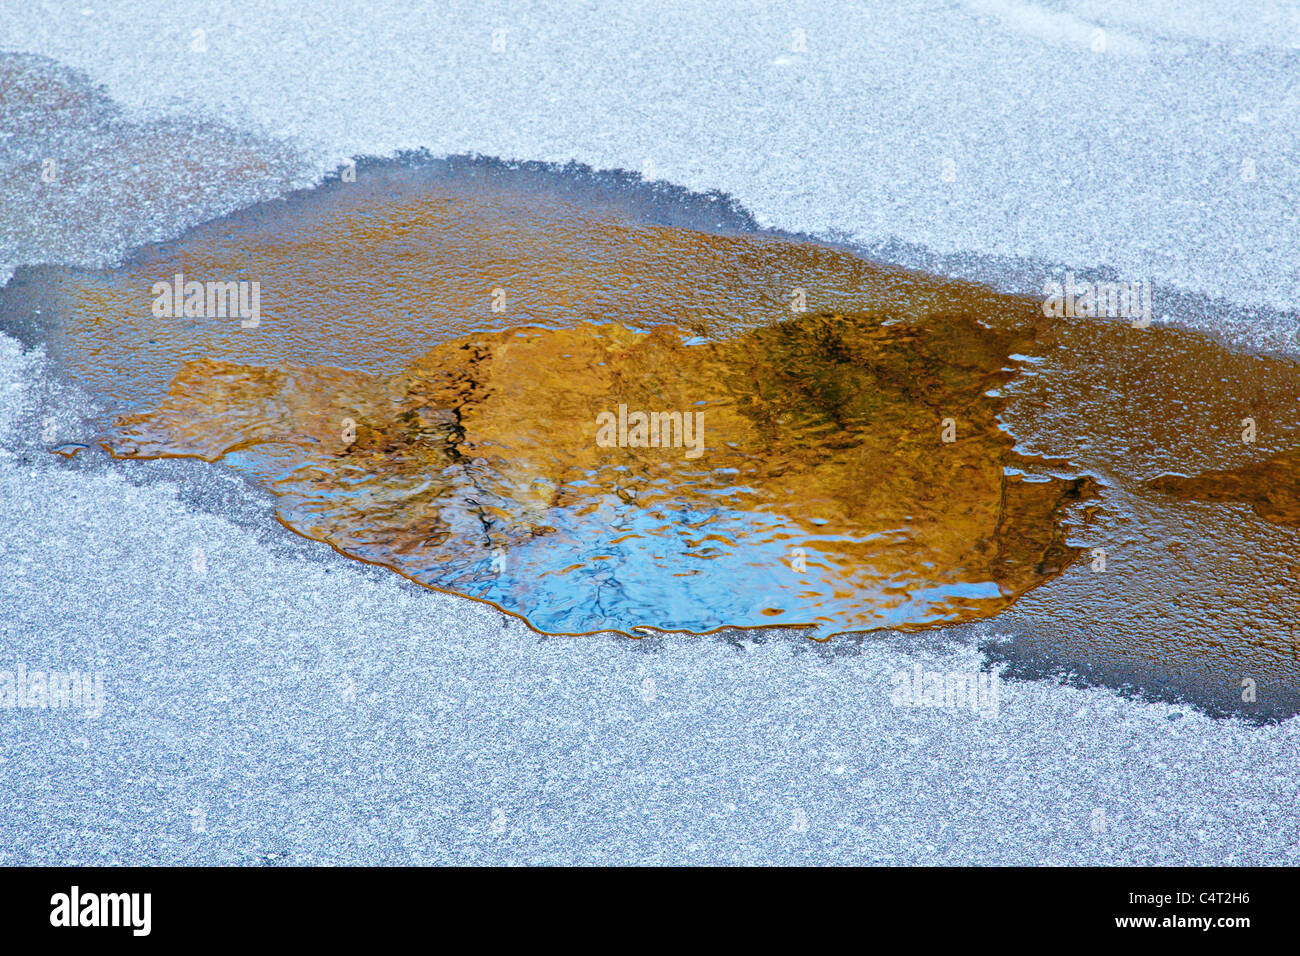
270, 703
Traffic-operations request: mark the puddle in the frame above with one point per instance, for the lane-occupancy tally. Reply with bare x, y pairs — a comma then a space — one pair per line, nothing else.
598, 478
437, 343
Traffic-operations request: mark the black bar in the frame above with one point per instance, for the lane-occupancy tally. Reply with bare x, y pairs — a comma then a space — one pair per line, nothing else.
335, 905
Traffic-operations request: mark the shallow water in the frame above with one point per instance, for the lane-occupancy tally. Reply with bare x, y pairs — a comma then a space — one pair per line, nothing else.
594, 477
475, 464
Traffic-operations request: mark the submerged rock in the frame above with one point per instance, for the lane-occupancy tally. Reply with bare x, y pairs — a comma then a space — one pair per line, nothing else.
596, 477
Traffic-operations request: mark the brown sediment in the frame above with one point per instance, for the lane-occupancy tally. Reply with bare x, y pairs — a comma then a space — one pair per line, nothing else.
1271, 488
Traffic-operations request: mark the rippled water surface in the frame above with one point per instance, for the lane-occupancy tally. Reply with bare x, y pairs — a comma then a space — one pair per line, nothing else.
794, 474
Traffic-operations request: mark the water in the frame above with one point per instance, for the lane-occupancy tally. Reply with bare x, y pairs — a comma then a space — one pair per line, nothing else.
597, 478
475, 465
